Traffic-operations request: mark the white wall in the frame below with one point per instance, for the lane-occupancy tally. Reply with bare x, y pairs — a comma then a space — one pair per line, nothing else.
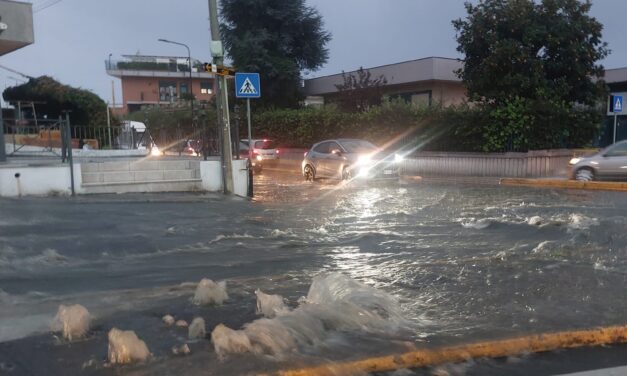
38, 180
211, 175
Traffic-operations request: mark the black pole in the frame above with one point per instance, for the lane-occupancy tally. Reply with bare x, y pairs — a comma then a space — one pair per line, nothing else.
69, 143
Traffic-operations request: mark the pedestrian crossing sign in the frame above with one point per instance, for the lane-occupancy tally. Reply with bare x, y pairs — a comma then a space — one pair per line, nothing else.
247, 85
618, 103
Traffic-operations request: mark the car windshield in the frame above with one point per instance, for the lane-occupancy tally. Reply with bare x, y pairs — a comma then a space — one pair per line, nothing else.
358, 146
265, 144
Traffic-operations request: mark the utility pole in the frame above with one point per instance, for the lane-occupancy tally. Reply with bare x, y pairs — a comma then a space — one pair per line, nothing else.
222, 100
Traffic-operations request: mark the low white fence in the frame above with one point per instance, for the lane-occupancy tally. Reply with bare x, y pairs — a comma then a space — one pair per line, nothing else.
537, 164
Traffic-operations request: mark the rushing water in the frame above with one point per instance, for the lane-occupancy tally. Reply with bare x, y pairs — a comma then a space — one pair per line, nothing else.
459, 262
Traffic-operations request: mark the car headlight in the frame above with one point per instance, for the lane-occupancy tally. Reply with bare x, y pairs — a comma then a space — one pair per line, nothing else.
364, 160
155, 151
398, 158
259, 157
574, 161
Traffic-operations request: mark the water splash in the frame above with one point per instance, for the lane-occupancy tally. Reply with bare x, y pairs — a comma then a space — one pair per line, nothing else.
269, 305
209, 292
72, 321
335, 303
126, 347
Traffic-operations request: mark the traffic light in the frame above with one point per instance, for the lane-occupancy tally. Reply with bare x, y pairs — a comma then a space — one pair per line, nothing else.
219, 70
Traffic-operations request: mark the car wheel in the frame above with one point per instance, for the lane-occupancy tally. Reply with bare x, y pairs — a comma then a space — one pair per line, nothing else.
346, 174
584, 174
309, 173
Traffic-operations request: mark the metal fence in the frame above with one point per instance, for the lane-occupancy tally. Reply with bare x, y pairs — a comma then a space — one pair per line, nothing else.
540, 163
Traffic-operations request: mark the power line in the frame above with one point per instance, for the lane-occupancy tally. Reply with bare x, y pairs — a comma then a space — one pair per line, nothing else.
46, 4
16, 72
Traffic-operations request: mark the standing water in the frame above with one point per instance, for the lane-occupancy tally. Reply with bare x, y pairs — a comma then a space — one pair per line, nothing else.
353, 272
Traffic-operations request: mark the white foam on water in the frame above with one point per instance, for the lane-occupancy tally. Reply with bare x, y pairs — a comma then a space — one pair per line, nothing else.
219, 238
544, 246
126, 347
335, 303
581, 222
276, 233
477, 224
209, 292
73, 321
535, 221
269, 305
197, 329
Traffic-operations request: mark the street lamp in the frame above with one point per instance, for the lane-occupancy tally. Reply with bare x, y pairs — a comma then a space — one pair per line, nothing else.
189, 59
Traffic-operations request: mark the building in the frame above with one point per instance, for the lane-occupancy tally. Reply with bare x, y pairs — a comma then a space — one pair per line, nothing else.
424, 82
16, 31
433, 80
160, 80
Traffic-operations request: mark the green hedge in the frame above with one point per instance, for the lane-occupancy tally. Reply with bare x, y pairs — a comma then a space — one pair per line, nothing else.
433, 128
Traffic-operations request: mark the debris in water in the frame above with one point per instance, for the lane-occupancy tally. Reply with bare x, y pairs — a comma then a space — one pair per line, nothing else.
181, 350
228, 341
197, 328
72, 320
181, 324
269, 305
125, 347
209, 292
168, 320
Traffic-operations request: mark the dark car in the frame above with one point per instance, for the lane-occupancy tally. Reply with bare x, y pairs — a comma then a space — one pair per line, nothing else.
349, 159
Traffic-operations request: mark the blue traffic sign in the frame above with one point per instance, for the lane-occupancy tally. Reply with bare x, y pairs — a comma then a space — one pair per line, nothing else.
617, 106
247, 85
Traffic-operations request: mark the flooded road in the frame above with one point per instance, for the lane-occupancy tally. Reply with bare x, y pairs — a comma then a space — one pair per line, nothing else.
446, 264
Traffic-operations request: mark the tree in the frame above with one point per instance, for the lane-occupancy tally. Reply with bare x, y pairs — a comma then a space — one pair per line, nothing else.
360, 92
533, 65
86, 108
277, 38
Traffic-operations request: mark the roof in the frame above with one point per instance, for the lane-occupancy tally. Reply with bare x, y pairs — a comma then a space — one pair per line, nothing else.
426, 69
613, 76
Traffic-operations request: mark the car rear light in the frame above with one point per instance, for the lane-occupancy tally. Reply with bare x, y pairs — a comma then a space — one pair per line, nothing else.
305, 155
277, 151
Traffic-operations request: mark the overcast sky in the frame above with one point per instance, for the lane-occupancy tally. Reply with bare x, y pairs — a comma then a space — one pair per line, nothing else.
73, 38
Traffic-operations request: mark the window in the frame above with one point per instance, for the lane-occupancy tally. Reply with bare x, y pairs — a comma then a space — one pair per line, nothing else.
184, 88
358, 146
167, 92
619, 150
266, 144
323, 148
206, 88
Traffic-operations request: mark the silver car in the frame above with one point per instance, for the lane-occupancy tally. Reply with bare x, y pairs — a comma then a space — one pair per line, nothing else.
349, 158
608, 164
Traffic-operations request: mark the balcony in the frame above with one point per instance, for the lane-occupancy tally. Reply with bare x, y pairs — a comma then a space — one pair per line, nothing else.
154, 68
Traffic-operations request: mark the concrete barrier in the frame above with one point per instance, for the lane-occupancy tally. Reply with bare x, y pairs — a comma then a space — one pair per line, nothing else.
25, 180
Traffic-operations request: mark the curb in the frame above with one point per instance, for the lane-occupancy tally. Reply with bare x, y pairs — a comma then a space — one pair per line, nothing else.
567, 184
493, 349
